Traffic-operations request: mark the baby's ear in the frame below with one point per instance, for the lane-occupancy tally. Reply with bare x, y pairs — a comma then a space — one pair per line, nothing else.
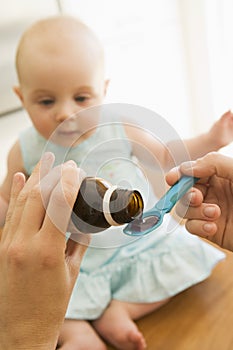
18, 92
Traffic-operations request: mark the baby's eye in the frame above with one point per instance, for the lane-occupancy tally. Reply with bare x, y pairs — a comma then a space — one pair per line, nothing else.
46, 102
81, 98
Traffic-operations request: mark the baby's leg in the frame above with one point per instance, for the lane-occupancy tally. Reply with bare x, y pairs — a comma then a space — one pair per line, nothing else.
117, 327
78, 334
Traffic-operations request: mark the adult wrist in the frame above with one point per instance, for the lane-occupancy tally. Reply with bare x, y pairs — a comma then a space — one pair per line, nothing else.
51, 345
26, 341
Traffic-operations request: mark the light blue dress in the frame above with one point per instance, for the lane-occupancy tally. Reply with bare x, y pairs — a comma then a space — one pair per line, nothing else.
141, 270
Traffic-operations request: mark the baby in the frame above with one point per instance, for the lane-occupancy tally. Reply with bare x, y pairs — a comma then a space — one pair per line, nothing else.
60, 66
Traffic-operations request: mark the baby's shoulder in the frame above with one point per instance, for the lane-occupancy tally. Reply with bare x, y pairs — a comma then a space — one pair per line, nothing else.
15, 160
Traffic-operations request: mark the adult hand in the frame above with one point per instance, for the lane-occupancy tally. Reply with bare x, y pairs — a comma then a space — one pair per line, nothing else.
210, 211
38, 267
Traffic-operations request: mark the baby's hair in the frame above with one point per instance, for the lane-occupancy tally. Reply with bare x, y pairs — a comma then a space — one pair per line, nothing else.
56, 25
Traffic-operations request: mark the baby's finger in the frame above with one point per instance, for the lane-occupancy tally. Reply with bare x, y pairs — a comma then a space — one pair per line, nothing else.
201, 228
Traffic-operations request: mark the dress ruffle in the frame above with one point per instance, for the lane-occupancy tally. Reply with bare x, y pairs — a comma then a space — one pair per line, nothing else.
171, 266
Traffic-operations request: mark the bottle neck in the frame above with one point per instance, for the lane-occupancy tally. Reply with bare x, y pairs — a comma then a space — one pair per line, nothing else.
121, 206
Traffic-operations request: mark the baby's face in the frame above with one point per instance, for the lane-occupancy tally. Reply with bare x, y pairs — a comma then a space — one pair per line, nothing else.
54, 88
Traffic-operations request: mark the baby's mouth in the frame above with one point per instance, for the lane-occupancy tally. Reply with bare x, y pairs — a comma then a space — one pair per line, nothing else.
68, 132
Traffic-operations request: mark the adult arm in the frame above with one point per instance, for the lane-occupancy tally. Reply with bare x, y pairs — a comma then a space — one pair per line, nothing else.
38, 268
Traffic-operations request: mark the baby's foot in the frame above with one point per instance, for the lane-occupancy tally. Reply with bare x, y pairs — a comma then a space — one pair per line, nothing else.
120, 331
77, 334
132, 340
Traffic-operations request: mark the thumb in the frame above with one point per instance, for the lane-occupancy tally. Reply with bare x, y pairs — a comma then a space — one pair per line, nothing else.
211, 164
75, 250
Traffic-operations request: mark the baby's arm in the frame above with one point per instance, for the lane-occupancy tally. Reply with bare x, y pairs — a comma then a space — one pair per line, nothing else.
149, 150
151, 154
14, 164
219, 135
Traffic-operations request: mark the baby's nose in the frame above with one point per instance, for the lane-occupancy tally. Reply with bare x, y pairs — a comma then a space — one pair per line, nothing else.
66, 111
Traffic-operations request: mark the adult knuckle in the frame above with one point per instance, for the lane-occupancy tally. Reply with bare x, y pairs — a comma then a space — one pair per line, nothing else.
16, 254
49, 261
212, 156
64, 195
35, 193
8, 217
49, 258
69, 192
22, 197
59, 198
190, 226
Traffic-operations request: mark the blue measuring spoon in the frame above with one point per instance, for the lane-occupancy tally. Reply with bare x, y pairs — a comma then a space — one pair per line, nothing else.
153, 218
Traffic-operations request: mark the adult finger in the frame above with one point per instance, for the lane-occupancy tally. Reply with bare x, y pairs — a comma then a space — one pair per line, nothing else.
11, 221
176, 173
208, 212
211, 164
201, 228
173, 176
29, 199
37, 201
62, 200
75, 250
194, 198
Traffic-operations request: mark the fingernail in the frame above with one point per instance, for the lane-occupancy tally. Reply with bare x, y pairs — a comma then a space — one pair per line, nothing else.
209, 211
188, 165
82, 173
174, 170
18, 178
191, 196
47, 156
70, 163
208, 227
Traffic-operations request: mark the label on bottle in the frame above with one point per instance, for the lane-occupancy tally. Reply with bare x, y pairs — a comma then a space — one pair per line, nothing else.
106, 209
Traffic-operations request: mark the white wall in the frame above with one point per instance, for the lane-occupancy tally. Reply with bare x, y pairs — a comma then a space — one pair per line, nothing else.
171, 56
145, 53
15, 17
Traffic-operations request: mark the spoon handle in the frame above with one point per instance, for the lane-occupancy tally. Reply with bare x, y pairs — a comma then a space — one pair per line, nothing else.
167, 202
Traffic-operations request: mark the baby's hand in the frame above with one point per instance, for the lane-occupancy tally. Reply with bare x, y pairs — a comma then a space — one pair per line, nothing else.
222, 130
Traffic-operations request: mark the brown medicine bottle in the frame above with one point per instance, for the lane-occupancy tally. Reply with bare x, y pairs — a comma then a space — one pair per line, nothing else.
100, 205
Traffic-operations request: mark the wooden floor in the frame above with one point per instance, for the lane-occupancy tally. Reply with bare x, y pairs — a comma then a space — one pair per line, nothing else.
200, 318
